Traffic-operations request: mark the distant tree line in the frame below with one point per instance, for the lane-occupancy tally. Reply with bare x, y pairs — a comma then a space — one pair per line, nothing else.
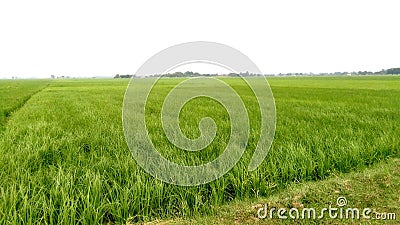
392, 71
387, 71
124, 76
247, 74
190, 74
196, 74
185, 74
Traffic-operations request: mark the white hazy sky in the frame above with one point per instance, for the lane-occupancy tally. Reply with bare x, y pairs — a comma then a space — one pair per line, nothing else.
103, 38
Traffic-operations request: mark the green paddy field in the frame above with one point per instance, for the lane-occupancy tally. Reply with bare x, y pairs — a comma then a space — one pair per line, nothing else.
64, 158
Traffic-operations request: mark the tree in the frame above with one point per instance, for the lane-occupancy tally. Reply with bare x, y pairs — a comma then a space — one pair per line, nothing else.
393, 71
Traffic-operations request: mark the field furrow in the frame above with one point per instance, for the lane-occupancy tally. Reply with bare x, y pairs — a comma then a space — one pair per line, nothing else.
14, 95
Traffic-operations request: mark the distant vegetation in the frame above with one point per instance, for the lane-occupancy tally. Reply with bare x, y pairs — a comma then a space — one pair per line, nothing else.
345, 73
392, 71
123, 76
245, 74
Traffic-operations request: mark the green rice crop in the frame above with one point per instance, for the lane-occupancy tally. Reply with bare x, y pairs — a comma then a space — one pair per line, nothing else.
64, 159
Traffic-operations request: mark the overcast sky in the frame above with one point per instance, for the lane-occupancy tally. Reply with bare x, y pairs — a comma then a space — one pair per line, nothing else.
103, 38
